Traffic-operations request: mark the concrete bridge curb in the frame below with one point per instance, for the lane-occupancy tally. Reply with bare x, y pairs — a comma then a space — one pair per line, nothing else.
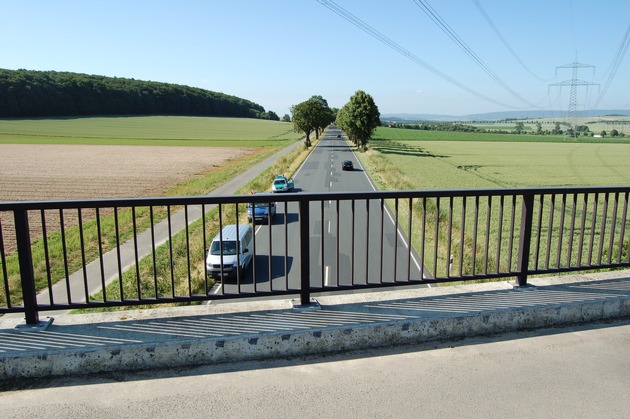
264, 329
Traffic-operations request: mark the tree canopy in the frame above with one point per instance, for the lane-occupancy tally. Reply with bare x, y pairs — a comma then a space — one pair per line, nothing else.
359, 118
311, 115
25, 93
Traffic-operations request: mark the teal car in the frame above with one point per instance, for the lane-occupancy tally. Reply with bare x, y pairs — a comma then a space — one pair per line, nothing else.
282, 184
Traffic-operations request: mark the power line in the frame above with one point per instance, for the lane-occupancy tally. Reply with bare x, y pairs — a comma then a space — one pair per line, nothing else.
340, 11
505, 43
437, 19
617, 59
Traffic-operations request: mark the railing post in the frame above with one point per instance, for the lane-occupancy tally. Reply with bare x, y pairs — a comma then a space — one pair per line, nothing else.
525, 238
23, 239
305, 253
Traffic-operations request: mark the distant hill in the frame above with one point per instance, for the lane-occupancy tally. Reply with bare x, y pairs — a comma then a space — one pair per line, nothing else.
25, 93
498, 116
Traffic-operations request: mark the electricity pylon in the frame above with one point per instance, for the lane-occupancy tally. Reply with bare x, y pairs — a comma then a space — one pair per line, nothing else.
574, 83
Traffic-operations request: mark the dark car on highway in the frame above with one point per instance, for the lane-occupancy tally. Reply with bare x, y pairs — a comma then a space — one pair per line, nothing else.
347, 165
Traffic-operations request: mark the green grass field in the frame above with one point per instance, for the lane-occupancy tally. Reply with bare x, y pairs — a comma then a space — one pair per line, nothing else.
148, 130
455, 160
432, 160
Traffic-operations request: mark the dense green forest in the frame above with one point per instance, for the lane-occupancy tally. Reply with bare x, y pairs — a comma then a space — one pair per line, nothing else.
26, 93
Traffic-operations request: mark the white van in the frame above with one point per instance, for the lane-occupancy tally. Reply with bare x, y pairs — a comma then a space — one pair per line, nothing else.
228, 255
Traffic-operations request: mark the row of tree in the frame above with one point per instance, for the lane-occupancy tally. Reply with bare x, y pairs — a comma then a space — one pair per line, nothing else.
519, 128
25, 93
358, 118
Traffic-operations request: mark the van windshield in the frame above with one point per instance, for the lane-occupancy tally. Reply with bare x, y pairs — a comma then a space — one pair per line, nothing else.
229, 247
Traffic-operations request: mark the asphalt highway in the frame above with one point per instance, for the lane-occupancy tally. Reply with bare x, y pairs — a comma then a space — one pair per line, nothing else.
350, 241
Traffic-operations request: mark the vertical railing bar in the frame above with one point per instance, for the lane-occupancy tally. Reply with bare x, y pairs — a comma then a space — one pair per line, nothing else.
512, 225
83, 258
204, 238
286, 245
593, 224
474, 237
337, 254
153, 255
238, 250
270, 255
99, 234
623, 230
135, 251
220, 206
65, 254
552, 209
525, 238
539, 231
499, 234
305, 257
436, 241
187, 227
582, 228
27, 275
572, 230
254, 267
170, 249
321, 217
603, 231
561, 230
487, 249
119, 260
381, 241
408, 244
462, 237
51, 296
613, 227
449, 237
352, 238
367, 239
395, 278
3, 260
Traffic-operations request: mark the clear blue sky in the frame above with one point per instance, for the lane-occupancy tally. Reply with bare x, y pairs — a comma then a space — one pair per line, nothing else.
278, 53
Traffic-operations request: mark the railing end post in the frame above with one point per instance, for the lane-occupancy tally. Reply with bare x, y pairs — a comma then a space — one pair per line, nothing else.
27, 276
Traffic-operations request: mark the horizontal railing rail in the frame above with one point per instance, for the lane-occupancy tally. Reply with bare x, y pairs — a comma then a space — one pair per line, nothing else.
82, 254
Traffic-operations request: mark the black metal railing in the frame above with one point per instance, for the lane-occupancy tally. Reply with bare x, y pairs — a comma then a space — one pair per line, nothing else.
60, 255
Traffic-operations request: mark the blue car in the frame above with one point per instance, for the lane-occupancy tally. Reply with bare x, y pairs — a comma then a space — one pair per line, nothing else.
261, 212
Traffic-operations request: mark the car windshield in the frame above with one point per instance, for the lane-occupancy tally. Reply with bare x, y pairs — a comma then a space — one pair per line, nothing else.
261, 204
280, 182
229, 247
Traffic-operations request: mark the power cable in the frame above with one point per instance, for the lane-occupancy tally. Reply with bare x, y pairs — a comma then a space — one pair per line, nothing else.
617, 59
340, 11
441, 23
503, 40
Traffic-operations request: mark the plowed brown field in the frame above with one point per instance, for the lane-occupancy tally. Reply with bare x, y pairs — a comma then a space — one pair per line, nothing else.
42, 172
50, 172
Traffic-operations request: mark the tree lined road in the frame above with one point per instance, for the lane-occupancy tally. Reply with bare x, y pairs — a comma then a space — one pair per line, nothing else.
350, 241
